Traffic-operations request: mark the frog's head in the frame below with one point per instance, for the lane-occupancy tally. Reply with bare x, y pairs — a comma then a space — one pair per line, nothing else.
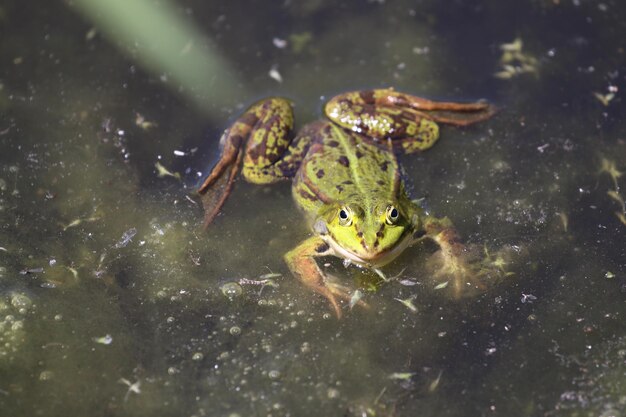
370, 235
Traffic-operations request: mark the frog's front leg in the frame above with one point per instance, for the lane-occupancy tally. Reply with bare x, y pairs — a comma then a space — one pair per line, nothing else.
453, 255
302, 263
260, 140
409, 122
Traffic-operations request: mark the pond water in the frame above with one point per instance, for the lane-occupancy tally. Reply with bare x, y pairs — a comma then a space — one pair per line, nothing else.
115, 302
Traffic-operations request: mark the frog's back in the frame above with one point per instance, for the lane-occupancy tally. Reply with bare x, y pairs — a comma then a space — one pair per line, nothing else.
342, 166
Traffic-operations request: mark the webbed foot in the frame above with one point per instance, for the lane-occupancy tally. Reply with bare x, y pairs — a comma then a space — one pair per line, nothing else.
460, 269
257, 140
345, 293
469, 269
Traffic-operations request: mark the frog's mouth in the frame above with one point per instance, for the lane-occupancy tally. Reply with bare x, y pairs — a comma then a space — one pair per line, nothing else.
370, 258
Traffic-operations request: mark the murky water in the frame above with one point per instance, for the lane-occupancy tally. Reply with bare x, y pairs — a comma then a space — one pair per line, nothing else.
114, 302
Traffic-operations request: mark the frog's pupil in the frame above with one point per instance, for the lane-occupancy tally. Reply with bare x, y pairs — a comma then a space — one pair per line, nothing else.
394, 213
343, 215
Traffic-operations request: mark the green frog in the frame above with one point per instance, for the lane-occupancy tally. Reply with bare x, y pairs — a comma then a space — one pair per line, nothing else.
346, 178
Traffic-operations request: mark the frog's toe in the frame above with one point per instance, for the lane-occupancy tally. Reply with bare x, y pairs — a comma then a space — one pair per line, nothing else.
333, 302
343, 292
331, 295
473, 270
462, 273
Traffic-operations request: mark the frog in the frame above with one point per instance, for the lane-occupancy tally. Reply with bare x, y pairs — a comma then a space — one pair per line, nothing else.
347, 180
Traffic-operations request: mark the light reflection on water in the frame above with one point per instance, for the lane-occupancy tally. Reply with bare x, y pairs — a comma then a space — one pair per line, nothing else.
111, 297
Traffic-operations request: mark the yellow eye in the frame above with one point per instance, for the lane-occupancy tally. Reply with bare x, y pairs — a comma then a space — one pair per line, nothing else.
345, 216
392, 215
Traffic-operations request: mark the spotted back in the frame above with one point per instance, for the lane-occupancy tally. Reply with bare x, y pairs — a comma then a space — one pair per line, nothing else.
343, 166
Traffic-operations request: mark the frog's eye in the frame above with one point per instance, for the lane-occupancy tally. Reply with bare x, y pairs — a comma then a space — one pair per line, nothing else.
345, 216
392, 215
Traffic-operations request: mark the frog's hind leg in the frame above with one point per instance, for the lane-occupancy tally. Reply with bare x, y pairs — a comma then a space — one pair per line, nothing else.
453, 113
259, 136
410, 122
217, 186
267, 169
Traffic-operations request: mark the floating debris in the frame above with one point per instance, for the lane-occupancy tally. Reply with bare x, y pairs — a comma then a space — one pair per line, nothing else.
91, 33
608, 166
609, 275
264, 282
195, 259
21, 302
408, 303
27, 271
393, 278
164, 172
424, 50
74, 272
605, 99
408, 282
496, 262
275, 75
381, 274
279, 43
512, 47
79, 221
271, 275
134, 388
274, 374
191, 200
356, 297
141, 121
299, 41
402, 376
442, 285
126, 238
564, 220
73, 223
514, 62
490, 350
231, 290
528, 298
46, 375
104, 340
433, 385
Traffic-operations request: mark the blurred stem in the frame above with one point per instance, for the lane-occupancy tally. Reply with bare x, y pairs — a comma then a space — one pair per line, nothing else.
153, 33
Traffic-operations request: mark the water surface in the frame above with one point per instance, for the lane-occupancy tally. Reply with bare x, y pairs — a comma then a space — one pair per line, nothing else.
111, 295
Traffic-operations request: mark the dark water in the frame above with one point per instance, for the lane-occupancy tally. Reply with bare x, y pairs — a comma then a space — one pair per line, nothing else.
111, 298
